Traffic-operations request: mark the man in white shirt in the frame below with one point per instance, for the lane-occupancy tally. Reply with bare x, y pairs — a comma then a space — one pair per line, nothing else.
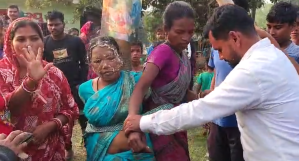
262, 90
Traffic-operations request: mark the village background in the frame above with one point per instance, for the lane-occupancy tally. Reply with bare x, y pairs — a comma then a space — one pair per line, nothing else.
152, 11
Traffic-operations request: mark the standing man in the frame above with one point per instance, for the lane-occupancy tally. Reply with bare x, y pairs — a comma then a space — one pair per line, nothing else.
262, 90
67, 53
224, 142
13, 13
281, 21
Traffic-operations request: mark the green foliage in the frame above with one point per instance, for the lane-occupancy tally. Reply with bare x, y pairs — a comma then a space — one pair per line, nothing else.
202, 8
150, 21
261, 15
41, 4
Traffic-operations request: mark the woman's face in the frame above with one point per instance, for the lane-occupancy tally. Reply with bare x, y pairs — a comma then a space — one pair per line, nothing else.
180, 33
24, 37
106, 63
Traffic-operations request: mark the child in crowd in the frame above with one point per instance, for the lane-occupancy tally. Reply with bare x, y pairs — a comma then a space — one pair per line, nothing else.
281, 21
160, 38
203, 81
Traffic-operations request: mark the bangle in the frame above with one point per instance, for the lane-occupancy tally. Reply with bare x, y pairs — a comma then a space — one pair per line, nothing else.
26, 89
58, 122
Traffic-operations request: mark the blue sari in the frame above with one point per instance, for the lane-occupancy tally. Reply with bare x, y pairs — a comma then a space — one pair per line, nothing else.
106, 110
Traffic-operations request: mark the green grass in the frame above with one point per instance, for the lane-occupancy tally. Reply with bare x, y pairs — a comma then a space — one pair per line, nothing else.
197, 145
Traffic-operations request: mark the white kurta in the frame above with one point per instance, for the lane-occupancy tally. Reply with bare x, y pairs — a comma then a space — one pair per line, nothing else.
263, 91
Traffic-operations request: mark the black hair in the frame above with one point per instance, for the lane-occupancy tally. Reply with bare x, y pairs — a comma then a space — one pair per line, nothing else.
137, 43
14, 6
242, 3
72, 30
228, 18
92, 11
25, 23
158, 27
53, 15
177, 10
282, 12
107, 39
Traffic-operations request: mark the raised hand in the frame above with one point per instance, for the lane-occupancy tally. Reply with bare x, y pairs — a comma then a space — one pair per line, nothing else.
34, 64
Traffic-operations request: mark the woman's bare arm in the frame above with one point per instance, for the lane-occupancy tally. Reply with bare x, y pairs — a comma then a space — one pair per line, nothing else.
19, 97
149, 74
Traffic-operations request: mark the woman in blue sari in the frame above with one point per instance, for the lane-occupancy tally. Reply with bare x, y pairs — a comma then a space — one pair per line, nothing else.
106, 105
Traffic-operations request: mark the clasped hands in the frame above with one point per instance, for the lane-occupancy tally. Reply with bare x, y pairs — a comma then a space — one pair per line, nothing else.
136, 139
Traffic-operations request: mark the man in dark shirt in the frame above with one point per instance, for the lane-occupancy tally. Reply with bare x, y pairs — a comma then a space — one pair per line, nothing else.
67, 53
13, 13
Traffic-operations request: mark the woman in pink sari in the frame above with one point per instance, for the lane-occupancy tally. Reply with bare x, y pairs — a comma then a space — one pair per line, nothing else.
168, 74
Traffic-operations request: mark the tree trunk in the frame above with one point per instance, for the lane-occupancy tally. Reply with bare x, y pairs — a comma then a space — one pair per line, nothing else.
124, 46
253, 13
125, 49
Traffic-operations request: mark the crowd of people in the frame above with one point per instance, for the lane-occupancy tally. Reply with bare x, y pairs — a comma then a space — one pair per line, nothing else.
248, 97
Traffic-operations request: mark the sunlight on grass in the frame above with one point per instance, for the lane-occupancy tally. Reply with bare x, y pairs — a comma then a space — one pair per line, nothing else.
197, 145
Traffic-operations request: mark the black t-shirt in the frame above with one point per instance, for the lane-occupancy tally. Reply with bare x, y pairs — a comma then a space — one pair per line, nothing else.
69, 55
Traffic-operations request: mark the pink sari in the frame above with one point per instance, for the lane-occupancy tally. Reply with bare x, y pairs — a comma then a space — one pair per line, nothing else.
171, 147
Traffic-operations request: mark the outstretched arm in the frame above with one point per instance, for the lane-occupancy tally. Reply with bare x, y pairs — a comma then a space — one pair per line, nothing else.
215, 105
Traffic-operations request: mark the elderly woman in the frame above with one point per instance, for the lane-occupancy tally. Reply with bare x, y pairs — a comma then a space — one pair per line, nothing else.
37, 95
106, 100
